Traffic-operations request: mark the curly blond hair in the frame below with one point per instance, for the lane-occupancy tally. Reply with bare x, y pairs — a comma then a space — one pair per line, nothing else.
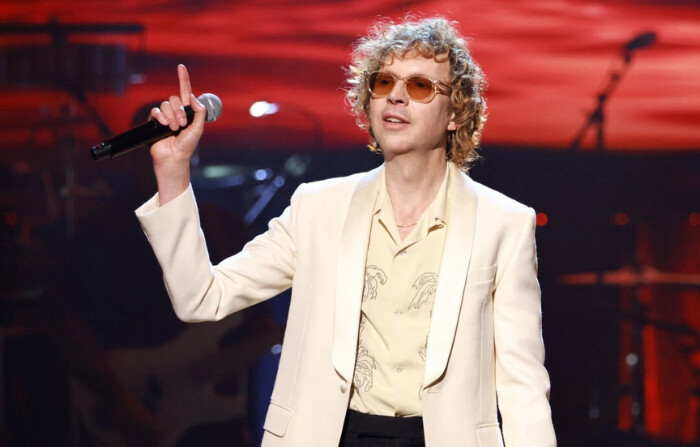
434, 37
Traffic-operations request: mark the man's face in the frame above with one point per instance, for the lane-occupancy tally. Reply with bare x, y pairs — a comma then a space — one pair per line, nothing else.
402, 125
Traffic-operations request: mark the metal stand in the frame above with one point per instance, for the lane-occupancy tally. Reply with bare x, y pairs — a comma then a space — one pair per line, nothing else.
596, 119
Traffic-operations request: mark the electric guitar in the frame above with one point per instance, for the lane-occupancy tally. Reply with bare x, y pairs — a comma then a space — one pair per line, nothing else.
177, 381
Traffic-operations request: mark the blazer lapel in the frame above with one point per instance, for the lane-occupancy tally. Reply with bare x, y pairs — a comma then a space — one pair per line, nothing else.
351, 273
453, 274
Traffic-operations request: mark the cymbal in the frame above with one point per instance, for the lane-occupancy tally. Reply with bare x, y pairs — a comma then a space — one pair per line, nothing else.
630, 276
215, 176
671, 327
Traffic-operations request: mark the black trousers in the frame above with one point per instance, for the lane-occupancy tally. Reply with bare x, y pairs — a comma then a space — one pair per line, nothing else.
367, 430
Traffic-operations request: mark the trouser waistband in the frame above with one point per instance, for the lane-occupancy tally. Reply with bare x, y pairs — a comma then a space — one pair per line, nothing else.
384, 426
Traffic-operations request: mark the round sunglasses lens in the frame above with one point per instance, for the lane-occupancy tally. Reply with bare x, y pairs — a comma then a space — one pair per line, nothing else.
419, 88
381, 84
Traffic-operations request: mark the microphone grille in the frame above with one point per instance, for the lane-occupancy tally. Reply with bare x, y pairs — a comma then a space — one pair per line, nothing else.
213, 105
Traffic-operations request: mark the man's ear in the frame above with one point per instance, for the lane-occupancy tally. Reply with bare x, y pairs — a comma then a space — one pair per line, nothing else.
452, 126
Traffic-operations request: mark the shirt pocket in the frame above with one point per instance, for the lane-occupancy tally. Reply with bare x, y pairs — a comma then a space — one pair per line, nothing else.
277, 419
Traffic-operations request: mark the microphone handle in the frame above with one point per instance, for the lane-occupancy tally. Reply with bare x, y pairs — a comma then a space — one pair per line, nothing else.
145, 134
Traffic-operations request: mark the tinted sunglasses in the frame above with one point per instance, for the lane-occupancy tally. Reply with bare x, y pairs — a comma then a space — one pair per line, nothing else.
418, 88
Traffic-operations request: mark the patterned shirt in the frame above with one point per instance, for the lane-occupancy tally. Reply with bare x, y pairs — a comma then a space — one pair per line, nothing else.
397, 303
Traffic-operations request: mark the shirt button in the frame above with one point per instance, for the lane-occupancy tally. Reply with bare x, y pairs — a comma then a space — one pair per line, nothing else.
397, 313
343, 387
399, 369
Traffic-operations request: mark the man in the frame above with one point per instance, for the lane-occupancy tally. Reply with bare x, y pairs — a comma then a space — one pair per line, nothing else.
415, 301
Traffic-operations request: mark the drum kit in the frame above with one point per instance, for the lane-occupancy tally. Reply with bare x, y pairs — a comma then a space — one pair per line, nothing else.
634, 278
66, 62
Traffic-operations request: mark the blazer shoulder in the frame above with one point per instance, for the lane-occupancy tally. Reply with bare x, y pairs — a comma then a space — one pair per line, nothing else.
332, 187
499, 202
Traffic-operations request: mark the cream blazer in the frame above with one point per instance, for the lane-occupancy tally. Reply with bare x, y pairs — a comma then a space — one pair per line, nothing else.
484, 349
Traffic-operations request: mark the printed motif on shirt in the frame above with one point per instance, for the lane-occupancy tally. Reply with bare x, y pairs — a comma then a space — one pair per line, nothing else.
374, 276
365, 364
423, 352
425, 286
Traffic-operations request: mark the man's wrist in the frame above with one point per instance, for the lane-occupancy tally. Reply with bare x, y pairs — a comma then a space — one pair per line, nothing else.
172, 179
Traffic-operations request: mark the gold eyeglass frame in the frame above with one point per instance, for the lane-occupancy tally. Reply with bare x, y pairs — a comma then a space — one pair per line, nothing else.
439, 87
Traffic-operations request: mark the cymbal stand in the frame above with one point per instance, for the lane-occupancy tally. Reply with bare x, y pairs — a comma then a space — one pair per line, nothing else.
635, 362
294, 166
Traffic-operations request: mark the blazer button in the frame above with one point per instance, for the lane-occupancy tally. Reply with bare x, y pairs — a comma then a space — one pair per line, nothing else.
343, 387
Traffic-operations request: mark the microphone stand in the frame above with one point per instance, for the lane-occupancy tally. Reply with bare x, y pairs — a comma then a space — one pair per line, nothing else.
596, 119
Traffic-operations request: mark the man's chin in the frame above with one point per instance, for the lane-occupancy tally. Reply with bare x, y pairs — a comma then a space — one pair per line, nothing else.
392, 151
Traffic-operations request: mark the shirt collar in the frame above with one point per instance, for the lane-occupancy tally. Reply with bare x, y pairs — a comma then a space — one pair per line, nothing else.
437, 211
435, 215
439, 204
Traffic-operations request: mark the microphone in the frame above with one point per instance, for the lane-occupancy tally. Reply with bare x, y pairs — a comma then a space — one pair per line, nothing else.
152, 131
641, 41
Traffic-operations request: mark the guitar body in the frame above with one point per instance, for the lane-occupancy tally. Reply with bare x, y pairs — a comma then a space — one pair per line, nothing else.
179, 382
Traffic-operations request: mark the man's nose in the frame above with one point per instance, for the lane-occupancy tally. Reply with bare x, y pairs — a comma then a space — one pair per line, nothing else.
398, 93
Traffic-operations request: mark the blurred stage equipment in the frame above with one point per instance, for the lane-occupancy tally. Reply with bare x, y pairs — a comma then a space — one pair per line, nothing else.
631, 277
57, 56
199, 377
75, 58
636, 277
296, 165
641, 41
596, 119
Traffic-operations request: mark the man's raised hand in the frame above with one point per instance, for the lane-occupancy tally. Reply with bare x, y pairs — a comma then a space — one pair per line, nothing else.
171, 156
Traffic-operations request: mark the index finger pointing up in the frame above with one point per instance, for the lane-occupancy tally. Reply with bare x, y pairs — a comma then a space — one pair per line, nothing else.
185, 87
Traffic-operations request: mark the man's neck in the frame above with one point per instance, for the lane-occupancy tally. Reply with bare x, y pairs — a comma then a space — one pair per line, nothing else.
412, 184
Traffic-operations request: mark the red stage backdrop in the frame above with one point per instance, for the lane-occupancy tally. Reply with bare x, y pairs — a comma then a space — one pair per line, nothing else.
546, 62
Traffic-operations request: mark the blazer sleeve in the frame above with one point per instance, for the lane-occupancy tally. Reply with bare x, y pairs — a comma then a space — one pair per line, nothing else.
200, 291
522, 383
